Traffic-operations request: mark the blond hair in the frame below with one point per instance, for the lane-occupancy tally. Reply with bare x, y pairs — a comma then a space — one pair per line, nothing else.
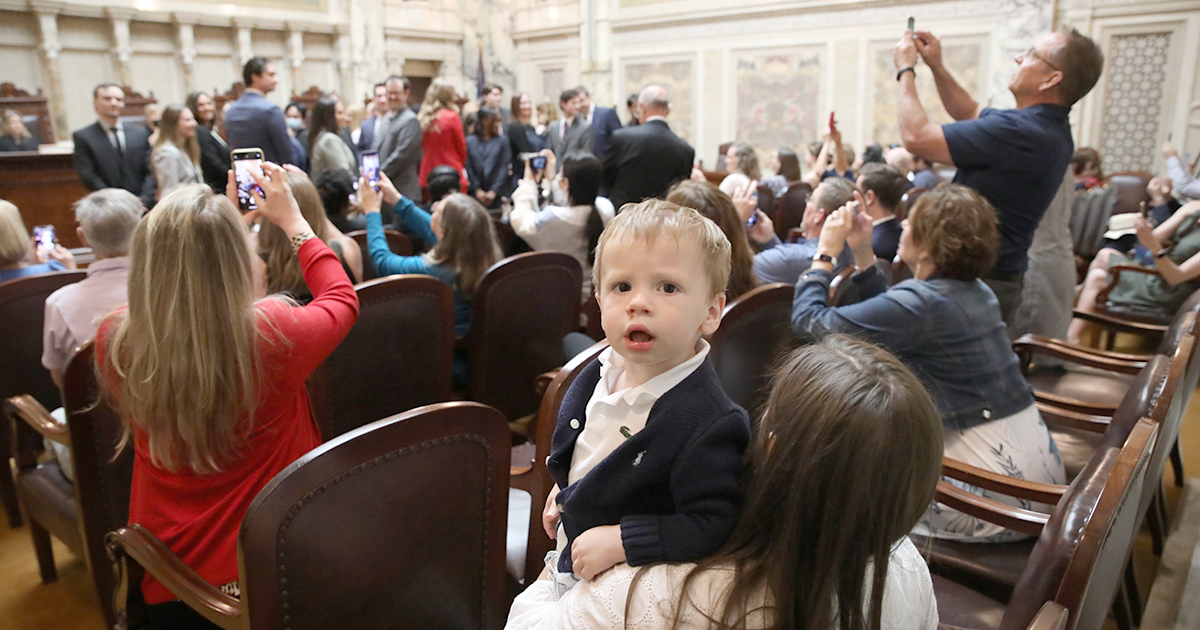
187, 350
651, 218
439, 96
284, 274
14, 238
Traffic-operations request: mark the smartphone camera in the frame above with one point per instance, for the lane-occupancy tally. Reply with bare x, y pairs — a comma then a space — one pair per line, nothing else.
246, 164
370, 168
538, 162
44, 236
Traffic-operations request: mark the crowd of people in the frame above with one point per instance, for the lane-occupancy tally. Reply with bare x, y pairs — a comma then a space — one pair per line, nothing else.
717, 518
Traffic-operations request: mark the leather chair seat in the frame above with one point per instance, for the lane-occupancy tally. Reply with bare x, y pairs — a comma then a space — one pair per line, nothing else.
961, 608
1077, 447
1083, 383
989, 568
50, 502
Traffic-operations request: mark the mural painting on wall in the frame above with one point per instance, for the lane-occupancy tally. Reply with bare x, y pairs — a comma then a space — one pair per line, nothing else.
676, 78
777, 98
1137, 69
962, 60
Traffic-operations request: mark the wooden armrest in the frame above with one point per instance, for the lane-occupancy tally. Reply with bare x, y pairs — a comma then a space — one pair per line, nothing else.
154, 556
1067, 403
1028, 345
35, 415
542, 383
1073, 419
1119, 324
1051, 616
1131, 357
1115, 272
1025, 521
1018, 488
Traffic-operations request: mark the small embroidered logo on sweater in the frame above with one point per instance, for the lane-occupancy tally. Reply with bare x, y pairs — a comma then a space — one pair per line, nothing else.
637, 460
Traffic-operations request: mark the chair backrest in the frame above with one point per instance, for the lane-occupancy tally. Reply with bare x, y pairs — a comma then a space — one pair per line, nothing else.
591, 310
789, 210
766, 199
1079, 558
398, 524
1181, 382
1130, 187
755, 330
520, 312
396, 357
102, 478
397, 242
841, 290
23, 309
1148, 396
1181, 324
1090, 213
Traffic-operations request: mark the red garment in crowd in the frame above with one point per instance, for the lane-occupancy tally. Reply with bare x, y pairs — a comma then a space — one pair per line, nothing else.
198, 515
444, 144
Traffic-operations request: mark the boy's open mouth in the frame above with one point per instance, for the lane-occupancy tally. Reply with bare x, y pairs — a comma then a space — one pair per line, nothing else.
640, 336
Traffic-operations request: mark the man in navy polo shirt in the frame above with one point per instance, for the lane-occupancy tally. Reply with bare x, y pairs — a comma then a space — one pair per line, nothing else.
1015, 158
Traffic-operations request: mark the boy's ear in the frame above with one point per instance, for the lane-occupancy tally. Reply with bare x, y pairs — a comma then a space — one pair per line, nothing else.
712, 319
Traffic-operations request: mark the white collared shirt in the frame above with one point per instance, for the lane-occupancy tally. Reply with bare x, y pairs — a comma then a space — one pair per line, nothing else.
119, 130
882, 220
649, 118
610, 411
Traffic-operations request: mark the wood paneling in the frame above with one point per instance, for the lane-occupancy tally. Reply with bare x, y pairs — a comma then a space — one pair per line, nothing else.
43, 187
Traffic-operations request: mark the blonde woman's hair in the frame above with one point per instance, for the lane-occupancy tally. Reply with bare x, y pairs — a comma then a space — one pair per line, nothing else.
439, 96
468, 241
284, 274
168, 132
652, 218
12, 113
186, 352
14, 238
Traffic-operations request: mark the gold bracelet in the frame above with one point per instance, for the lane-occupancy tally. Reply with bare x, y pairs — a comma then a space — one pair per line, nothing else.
299, 240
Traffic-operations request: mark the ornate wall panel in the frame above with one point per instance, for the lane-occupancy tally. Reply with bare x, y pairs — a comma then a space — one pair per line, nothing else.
777, 96
963, 61
678, 79
1137, 66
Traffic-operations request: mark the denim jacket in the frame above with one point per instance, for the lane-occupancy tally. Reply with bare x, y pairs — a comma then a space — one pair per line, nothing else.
948, 332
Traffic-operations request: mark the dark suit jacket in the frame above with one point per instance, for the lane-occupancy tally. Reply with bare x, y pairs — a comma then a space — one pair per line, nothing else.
604, 123
885, 239
100, 166
644, 161
214, 159
253, 121
366, 134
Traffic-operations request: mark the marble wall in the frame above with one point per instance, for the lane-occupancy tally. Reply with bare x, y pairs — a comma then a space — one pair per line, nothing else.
676, 76
778, 97
965, 62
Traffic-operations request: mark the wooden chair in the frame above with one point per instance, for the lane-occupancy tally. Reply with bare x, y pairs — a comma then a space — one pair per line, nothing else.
591, 310
1090, 213
908, 200
309, 97
766, 200
234, 93
398, 524
135, 103
81, 513
994, 568
1080, 550
33, 108
789, 210
1120, 319
396, 357
842, 291
22, 309
1130, 187
397, 242
520, 312
529, 471
756, 329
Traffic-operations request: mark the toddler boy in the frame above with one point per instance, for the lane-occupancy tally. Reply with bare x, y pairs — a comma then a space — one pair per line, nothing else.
648, 448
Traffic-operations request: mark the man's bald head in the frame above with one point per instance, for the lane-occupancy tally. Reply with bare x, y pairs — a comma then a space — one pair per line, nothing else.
900, 159
653, 101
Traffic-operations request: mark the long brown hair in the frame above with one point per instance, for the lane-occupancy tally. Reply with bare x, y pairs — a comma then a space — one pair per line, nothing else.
168, 131
843, 465
284, 274
709, 201
186, 351
468, 241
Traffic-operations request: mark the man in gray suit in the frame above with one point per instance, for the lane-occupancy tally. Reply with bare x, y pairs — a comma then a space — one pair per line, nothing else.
571, 133
399, 142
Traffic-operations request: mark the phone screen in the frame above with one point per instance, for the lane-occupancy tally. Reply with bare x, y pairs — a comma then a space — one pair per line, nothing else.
370, 168
44, 235
244, 169
537, 162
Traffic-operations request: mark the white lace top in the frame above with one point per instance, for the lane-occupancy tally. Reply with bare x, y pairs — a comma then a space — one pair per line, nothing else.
908, 602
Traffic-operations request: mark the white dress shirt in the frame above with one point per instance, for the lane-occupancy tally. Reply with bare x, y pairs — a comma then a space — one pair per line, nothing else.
119, 142
608, 411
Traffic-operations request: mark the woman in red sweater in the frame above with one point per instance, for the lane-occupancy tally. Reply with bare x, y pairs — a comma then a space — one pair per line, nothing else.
443, 142
209, 381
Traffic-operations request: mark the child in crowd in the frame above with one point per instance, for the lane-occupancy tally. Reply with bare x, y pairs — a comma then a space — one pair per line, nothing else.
463, 240
648, 448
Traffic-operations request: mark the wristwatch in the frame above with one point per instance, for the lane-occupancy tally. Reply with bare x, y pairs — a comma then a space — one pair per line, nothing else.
903, 70
825, 258
1162, 252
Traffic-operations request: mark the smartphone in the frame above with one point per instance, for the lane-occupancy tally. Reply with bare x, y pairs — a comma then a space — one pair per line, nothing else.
44, 236
370, 168
537, 161
246, 164
832, 124
912, 24
753, 220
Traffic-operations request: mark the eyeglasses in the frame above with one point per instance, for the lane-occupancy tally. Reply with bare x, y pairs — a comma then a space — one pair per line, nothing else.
1032, 53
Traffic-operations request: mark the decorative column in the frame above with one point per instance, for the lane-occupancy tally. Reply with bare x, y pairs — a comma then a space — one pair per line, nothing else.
122, 48
296, 57
48, 21
366, 43
345, 65
187, 56
596, 44
245, 48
